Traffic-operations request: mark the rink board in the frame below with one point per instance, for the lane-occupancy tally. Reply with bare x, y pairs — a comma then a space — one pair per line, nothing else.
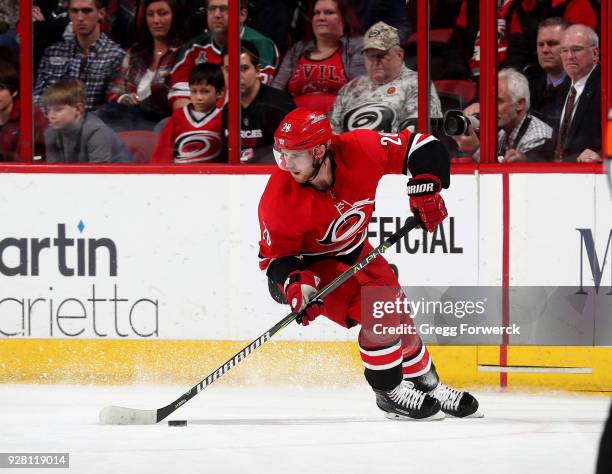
329, 363
161, 275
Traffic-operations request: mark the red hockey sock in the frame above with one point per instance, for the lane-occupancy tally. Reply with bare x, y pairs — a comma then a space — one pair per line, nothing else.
383, 365
415, 360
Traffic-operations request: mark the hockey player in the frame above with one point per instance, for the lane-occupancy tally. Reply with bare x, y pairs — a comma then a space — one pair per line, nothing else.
314, 215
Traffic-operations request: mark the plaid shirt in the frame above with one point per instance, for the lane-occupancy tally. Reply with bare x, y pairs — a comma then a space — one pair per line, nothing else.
536, 135
65, 60
9, 134
133, 68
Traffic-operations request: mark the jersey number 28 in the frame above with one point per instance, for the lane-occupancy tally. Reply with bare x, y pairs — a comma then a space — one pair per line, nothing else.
386, 138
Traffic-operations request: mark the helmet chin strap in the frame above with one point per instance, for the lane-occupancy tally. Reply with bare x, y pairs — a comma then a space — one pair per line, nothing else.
317, 167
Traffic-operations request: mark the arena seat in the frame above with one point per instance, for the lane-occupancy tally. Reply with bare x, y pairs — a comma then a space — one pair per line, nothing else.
455, 93
140, 144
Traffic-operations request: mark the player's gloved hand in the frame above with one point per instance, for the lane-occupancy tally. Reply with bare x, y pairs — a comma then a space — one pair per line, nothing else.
299, 289
425, 200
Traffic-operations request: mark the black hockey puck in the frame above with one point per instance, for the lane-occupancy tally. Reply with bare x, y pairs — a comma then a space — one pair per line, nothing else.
177, 422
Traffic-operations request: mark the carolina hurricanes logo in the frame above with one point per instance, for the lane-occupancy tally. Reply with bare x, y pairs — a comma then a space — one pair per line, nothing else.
192, 147
371, 115
202, 58
350, 223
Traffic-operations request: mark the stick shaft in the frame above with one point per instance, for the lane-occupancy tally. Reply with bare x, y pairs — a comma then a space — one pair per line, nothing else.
162, 413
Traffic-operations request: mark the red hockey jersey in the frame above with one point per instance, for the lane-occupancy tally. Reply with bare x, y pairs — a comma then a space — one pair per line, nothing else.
298, 220
202, 49
190, 138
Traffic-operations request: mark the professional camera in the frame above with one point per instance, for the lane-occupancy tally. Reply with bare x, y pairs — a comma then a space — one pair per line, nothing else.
456, 123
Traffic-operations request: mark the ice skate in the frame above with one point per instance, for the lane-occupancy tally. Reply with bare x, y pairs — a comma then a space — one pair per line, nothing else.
452, 402
455, 402
405, 402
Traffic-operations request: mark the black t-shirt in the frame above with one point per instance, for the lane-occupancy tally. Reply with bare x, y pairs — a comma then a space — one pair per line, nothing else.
259, 122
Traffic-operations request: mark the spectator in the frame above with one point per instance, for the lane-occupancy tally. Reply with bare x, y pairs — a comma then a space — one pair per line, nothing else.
10, 113
314, 70
517, 27
262, 109
193, 133
522, 18
125, 19
9, 15
387, 96
50, 19
521, 136
208, 47
549, 83
579, 137
75, 136
138, 95
91, 56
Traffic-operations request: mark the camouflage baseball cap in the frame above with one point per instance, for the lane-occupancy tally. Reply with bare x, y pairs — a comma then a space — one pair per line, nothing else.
380, 36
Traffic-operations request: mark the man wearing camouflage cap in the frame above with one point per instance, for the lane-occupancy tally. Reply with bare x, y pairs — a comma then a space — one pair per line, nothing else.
387, 97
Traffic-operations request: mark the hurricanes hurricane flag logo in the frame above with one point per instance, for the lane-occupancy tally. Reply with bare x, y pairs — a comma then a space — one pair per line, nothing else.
371, 115
201, 145
352, 222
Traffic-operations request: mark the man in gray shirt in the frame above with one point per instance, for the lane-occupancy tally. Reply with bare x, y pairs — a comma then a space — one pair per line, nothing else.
387, 97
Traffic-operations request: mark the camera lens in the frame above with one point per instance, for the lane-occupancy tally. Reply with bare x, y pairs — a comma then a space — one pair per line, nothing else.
451, 126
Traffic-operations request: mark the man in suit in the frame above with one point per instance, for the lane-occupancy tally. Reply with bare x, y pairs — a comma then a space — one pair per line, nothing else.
579, 131
549, 83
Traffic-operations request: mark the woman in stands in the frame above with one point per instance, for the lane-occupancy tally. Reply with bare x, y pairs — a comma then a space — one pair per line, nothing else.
314, 70
138, 95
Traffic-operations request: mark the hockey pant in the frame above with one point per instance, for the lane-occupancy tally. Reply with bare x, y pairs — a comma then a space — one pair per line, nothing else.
387, 358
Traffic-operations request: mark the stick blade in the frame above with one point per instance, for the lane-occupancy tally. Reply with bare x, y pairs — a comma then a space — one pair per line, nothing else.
112, 415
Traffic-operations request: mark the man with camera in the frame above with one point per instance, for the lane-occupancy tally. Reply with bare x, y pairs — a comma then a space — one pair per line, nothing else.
521, 136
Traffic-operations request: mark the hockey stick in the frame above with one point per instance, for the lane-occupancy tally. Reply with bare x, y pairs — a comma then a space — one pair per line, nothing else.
114, 415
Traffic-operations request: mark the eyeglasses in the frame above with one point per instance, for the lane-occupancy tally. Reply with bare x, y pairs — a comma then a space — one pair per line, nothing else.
575, 50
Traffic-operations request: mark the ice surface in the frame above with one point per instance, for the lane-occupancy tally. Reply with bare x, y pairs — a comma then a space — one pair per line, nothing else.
299, 430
